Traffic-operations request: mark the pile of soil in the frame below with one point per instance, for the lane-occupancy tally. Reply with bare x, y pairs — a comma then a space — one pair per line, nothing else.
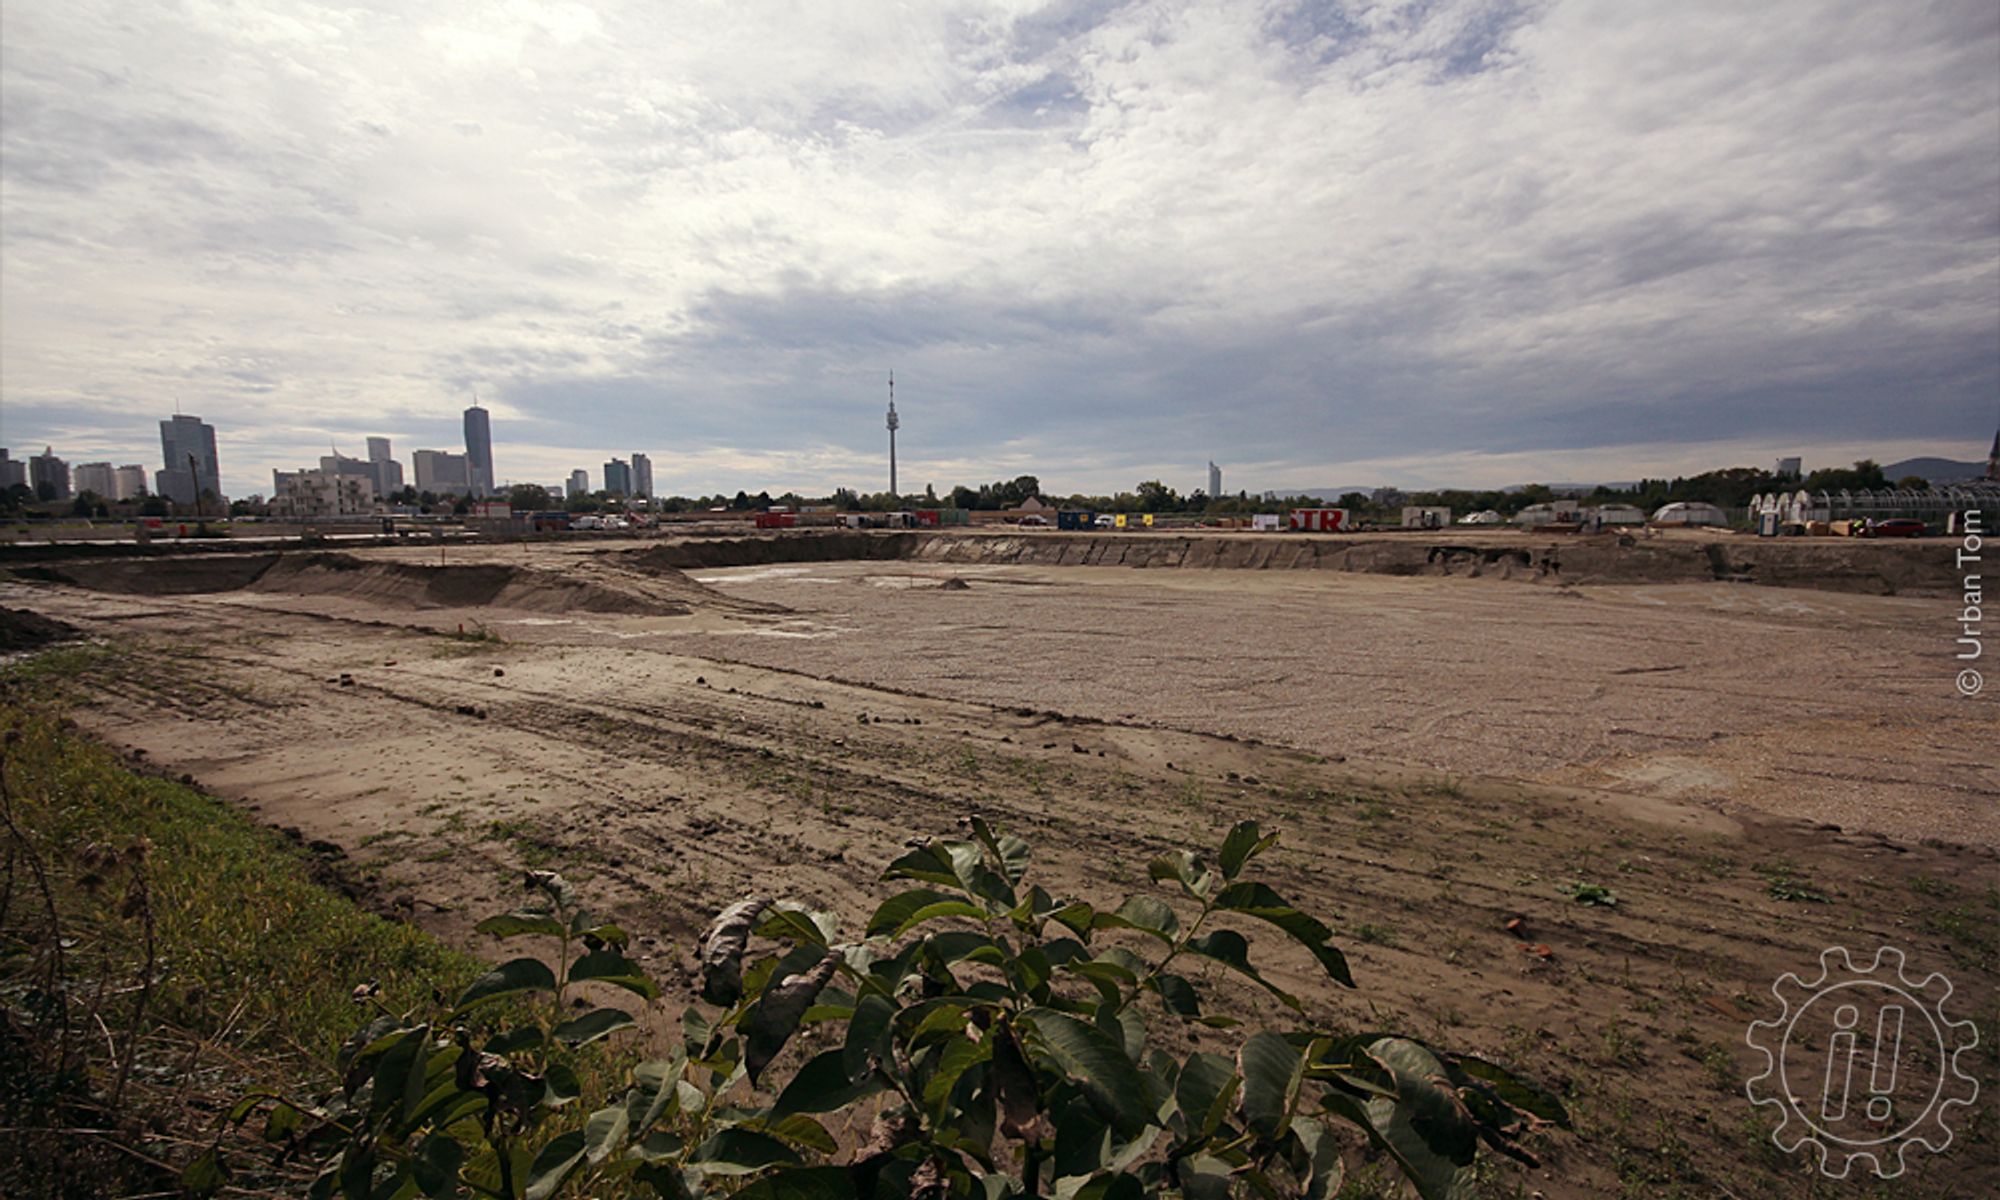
480, 585
1869, 567
24, 630
390, 584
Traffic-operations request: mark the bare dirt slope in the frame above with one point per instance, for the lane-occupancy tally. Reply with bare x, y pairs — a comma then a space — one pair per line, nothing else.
792, 735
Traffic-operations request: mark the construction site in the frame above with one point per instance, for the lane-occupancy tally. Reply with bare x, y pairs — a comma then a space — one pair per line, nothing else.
1754, 745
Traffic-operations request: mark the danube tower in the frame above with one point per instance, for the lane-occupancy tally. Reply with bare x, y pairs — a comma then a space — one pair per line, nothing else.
893, 424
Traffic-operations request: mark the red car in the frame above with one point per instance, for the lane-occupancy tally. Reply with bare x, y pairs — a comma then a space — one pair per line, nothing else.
1897, 527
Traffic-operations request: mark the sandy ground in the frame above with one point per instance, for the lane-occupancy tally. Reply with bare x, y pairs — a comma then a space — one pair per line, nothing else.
1441, 755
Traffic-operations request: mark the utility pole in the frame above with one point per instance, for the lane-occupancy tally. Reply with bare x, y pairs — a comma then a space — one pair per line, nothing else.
893, 424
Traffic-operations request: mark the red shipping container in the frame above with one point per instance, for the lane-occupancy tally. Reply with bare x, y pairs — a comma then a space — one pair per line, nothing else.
928, 516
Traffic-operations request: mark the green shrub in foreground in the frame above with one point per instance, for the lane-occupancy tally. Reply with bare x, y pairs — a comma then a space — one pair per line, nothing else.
995, 1039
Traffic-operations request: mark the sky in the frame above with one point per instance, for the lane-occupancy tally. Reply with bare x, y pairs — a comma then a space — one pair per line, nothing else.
1476, 242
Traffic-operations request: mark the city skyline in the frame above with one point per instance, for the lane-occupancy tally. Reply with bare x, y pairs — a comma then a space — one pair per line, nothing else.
1466, 242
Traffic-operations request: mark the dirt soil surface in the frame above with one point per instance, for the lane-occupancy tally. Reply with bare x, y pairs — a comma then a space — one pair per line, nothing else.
1757, 775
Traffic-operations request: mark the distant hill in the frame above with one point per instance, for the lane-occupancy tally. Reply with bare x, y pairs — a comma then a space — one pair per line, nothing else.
1936, 470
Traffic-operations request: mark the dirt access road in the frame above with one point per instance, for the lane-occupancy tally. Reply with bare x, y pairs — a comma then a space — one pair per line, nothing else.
690, 739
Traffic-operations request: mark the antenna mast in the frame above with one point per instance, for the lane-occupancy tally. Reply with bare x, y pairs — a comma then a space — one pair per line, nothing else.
893, 425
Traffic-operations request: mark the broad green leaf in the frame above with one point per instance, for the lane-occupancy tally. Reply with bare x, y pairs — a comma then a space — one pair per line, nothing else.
786, 920
948, 946
509, 979
1257, 900
1204, 1091
554, 1165
1423, 1128
205, 1175
604, 1131
867, 1034
596, 1023
1228, 947
1009, 852
1272, 1068
1204, 1178
1146, 914
959, 1056
1085, 1054
609, 966
1242, 845
927, 863
436, 1163
1176, 994
1081, 918
1106, 1185
906, 910
520, 922
654, 1092
560, 1085
1184, 869
604, 931
824, 1085
932, 1023
1324, 1173
798, 1130
737, 1151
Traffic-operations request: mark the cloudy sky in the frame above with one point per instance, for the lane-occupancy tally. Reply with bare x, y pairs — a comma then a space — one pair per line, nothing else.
1320, 243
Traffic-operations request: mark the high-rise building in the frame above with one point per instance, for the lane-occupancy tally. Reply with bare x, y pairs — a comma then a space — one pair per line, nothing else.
340, 464
579, 483
187, 444
618, 477
96, 478
642, 476
478, 451
442, 473
388, 472
12, 471
128, 482
1214, 480
320, 493
49, 475
1789, 468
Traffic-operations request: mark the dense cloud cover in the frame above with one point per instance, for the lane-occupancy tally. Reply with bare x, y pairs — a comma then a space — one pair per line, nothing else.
1449, 240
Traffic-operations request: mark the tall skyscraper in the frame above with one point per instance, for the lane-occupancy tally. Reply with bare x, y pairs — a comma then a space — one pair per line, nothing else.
12, 471
128, 482
388, 472
1214, 480
192, 472
49, 475
579, 483
442, 473
618, 477
479, 450
97, 478
642, 476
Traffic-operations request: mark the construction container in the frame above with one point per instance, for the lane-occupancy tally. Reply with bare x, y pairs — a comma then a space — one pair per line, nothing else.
1320, 520
1076, 519
777, 520
928, 518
